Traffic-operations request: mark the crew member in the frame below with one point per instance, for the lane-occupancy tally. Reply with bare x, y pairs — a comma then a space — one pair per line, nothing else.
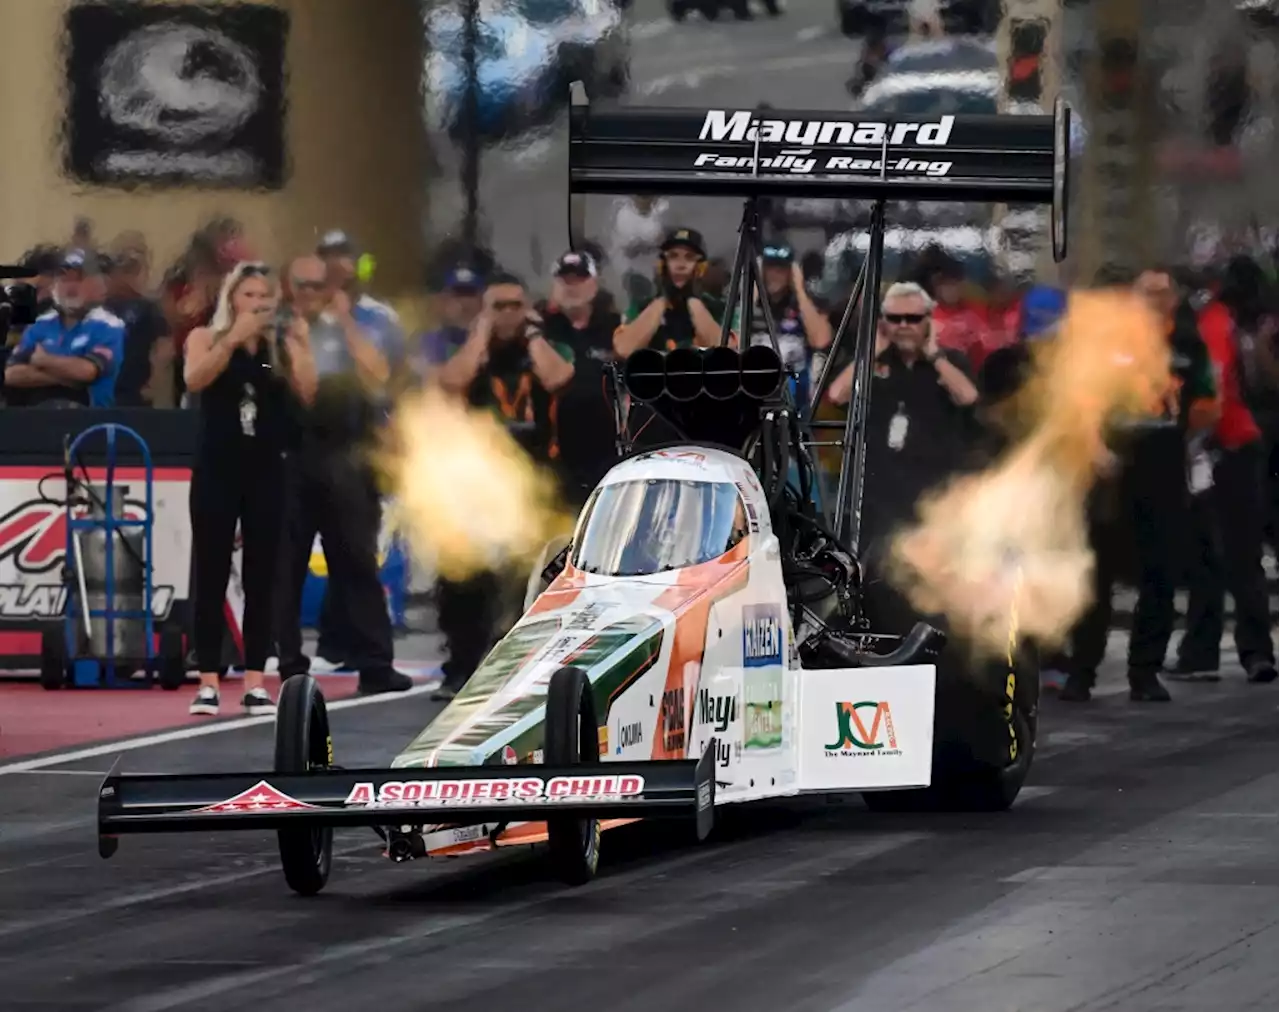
247, 375
920, 426
1146, 493
334, 492
71, 354
147, 351
802, 327
1231, 521
459, 303
509, 366
577, 317
679, 315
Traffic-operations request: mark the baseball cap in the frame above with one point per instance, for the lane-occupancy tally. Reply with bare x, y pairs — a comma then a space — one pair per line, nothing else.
463, 279
778, 253
1042, 308
79, 260
336, 242
574, 264
689, 237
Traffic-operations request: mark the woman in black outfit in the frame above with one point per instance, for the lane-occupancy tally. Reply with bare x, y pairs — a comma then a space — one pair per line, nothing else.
247, 372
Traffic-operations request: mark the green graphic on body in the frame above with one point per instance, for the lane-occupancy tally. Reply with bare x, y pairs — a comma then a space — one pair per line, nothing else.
762, 703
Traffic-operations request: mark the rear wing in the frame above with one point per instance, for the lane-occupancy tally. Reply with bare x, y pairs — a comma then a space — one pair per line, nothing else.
803, 153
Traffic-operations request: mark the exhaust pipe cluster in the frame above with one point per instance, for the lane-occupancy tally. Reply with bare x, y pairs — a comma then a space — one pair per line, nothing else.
720, 374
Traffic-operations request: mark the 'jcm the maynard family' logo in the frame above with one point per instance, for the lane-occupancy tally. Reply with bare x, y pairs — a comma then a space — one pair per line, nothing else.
853, 733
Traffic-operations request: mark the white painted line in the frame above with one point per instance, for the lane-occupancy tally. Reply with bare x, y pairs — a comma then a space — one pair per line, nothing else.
199, 731
62, 773
811, 33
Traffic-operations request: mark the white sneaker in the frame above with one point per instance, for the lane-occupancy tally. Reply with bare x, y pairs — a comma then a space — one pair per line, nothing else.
206, 702
324, 666
256, 702
272, 665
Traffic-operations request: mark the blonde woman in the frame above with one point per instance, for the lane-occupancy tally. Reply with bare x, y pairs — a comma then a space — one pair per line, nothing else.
249, 372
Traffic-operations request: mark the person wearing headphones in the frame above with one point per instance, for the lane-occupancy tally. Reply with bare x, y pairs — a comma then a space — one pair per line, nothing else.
681, 314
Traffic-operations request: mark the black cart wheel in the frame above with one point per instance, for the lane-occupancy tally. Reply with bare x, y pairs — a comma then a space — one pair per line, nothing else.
172, 660
53, 659
303, 743
572, 739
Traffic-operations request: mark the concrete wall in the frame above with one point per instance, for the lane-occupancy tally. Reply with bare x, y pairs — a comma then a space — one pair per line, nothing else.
353, 140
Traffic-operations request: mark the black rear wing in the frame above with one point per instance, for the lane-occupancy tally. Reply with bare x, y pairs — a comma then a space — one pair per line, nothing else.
167, 803
804, 153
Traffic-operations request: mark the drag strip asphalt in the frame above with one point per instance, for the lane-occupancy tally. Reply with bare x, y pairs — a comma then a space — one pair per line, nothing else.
1137, 872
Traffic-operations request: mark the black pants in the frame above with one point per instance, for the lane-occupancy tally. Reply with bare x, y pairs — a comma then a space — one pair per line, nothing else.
1228, 557
223, 492
333, 624
334, 495
468, 612
1145, 506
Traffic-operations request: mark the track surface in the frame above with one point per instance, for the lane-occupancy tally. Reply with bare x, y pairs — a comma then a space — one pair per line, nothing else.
1138, 873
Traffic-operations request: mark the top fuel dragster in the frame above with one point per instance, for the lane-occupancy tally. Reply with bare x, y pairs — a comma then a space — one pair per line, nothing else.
704, 638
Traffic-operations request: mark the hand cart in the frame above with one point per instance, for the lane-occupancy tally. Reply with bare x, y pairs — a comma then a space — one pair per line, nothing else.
75, 653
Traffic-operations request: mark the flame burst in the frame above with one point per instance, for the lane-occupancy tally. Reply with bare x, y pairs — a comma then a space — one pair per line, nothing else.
1012, 540
467, 496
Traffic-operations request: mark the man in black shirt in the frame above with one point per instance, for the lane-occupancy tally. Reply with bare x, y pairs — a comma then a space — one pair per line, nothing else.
508, 365
920, 427
578, 317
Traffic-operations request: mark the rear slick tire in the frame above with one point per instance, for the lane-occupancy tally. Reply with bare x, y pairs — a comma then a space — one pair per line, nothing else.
572, 739
303, 743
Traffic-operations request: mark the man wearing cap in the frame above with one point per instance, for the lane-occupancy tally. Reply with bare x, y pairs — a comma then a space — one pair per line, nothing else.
458, 304
680, 315
347, 270
578, 316
802, 327
72, 353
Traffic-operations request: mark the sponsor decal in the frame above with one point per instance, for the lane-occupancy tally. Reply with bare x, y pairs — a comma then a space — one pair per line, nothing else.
864, 729
793, 161
671, 720
692, 457
628, 736
586, 617
261, 797
509, 756
505, 791
761, 635
704, 797
743, 125
718, 712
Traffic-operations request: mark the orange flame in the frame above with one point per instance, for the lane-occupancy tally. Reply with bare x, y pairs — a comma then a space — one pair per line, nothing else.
1012, 540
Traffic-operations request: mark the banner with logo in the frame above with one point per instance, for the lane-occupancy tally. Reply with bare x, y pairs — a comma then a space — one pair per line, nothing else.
176, 94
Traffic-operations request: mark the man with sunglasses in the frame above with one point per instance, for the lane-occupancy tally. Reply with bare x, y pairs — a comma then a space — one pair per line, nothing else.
335, 493
71, 354
510, 367
802, 327
920, 425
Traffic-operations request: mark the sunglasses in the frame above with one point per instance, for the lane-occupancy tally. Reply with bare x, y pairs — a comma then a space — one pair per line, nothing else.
254, 271
777, 253
503, 304
904, 317
308, 285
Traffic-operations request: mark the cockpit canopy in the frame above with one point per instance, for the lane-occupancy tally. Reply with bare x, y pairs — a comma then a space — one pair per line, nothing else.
637, 528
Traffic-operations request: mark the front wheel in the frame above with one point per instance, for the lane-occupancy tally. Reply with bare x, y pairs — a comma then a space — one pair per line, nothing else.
303, 743
572, 739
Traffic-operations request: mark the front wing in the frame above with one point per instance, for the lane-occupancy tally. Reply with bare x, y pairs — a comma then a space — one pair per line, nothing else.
459, 796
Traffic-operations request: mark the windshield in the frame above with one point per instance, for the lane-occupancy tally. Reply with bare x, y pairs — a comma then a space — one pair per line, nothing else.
635, 528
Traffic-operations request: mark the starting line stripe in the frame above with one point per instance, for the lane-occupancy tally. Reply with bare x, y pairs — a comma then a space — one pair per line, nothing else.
186, 733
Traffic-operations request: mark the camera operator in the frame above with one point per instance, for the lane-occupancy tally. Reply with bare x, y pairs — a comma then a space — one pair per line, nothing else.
71, 355
247, 378
507, 365
578, 317
335, 492
680, 314
802, 327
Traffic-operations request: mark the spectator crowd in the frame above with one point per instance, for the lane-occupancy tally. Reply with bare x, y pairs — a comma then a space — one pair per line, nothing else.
217, 329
